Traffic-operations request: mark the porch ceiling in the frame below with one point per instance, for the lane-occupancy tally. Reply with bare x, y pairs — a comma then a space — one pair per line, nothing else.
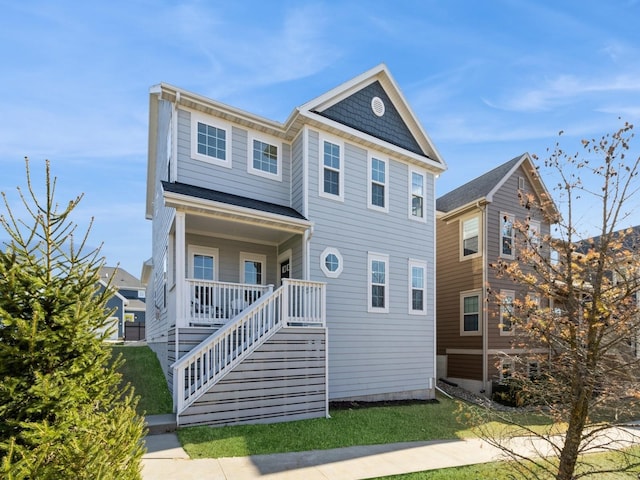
238, 229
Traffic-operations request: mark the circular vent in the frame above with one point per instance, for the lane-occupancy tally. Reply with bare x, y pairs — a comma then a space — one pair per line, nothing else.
377, 105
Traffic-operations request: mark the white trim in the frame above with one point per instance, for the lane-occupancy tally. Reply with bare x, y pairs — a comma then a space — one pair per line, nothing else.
380, 257
254, 136
197, 117
512, 295
461, 236
305, 171
370, 182
516, 351
321, 167
511, 217
193, 250
423, 265
463, 351
253, 257
323, 266
466, 294
423, 174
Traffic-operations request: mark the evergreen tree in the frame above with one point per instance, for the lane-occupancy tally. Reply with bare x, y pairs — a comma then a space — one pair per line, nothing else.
63, 413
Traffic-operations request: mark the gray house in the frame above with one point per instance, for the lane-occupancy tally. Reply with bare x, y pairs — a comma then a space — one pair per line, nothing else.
293, 263
127, 304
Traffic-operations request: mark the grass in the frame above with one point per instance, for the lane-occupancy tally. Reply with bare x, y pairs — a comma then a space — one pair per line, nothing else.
502, 471
142, 369
347, 427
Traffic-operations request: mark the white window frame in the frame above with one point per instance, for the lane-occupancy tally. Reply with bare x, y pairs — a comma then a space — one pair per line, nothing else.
323, 266
423, 265
512, 218
534, 226
269, 141
384, 184
197, 117
466, 294
477, 216
380, 257
253, 257
193, 250
321, 168
503, 295
423, 174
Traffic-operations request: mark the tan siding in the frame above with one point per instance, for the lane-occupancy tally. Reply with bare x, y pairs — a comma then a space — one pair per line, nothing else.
505, 200
453, 276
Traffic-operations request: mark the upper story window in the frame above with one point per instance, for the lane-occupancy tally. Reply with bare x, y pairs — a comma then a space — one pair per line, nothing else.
470, 236
210, 139
378, 292
378, 191
534, 233
418, 281
470, 313
416, 195
506, 312
331, 170
265, 158
506, 235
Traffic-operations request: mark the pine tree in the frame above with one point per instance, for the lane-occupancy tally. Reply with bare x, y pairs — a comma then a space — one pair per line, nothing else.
63, 413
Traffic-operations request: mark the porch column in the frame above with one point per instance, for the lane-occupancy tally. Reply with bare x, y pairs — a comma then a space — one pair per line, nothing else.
182, 302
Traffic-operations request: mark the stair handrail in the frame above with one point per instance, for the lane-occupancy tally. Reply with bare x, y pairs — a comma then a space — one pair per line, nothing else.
208, 362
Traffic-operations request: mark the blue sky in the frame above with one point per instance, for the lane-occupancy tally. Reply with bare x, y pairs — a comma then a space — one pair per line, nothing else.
488, 80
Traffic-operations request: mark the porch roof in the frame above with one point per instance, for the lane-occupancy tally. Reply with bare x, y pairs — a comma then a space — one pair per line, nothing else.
234, 214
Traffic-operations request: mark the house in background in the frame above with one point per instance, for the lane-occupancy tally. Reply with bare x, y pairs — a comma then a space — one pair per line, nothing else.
475, 229
293, 263
128, 304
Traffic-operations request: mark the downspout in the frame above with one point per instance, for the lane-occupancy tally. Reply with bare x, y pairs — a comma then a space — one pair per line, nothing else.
306, 253
485, 303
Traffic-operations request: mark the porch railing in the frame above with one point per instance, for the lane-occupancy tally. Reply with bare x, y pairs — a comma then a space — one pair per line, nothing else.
295, 303
214, 303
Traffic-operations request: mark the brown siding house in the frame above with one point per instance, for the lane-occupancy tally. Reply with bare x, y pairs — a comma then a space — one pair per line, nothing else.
473, 231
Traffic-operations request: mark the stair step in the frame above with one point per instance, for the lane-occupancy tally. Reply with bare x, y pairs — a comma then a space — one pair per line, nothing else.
158, 424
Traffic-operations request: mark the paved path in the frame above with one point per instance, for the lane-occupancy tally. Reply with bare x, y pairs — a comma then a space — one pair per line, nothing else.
165, 459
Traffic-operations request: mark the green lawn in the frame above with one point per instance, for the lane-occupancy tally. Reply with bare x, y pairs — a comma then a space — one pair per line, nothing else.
346, 427
143, 371
501, 471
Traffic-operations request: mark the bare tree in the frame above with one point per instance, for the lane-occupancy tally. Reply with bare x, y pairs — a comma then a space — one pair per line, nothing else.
578, 315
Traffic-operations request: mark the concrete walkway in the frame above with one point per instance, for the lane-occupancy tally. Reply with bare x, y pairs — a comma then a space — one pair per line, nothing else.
165, 459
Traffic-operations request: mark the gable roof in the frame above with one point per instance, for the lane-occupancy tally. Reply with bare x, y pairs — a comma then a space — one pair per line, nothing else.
121, 278
405, 139
481, 189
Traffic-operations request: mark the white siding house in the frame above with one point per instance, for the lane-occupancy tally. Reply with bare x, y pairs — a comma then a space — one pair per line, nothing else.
293, 263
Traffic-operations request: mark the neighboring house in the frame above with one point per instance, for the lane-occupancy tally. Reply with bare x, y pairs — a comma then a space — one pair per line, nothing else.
293, 263
474, 230
128, 303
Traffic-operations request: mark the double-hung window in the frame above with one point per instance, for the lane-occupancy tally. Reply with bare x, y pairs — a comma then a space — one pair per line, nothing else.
378, 191
331, 169
416, 195
417, 290
507, 245
470, 313
378, 291
265, 158
506, 312
210, 139
470, 236
534, 233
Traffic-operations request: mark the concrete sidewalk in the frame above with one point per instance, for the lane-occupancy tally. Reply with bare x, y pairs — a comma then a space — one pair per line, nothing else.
165, 459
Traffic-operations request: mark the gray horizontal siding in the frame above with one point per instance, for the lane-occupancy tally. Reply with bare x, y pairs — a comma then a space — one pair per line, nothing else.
283, 380
373, 354
235, 180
